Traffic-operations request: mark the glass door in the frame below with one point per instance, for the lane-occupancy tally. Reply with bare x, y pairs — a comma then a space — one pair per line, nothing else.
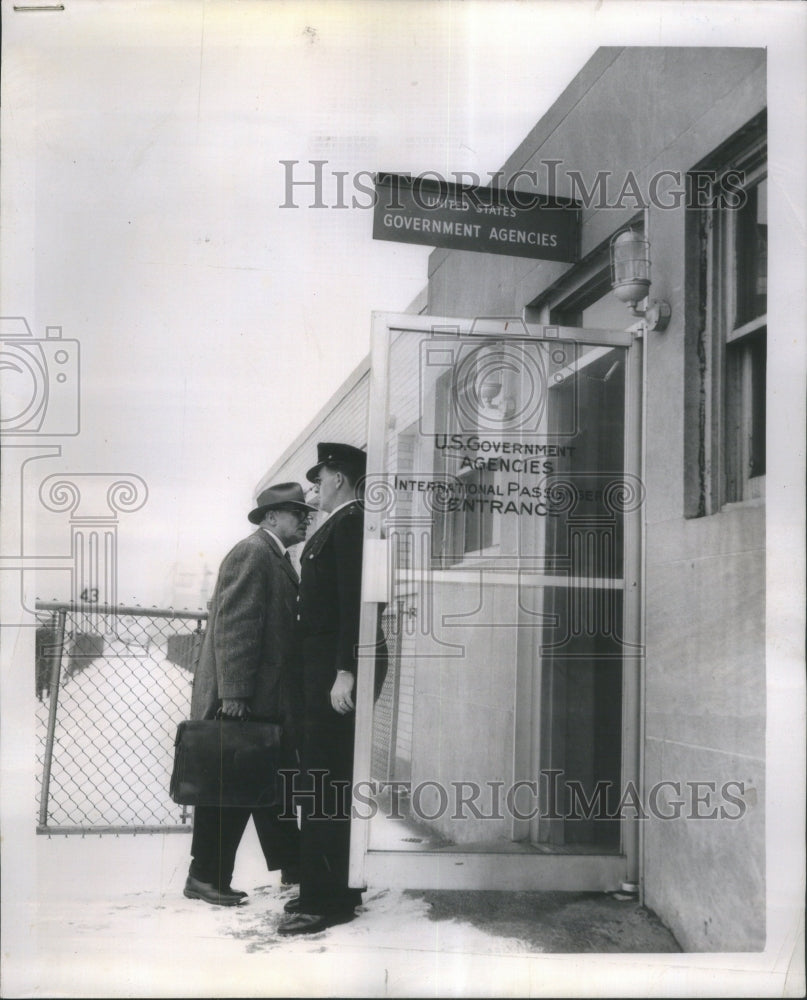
501, 556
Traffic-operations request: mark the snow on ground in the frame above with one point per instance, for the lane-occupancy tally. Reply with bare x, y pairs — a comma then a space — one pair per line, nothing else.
108, 918
104, 916
116, 724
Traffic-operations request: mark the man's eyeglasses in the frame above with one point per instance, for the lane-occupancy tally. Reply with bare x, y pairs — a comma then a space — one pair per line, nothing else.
301, 515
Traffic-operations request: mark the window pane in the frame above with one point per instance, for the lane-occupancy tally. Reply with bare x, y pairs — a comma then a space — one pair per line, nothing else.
503, 504
593, 470
581, 725
744, 415
752, 255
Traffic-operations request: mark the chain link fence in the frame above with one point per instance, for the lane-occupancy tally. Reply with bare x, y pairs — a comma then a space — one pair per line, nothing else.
112, 685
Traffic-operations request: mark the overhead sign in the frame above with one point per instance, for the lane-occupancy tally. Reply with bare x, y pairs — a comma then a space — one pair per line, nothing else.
484, 220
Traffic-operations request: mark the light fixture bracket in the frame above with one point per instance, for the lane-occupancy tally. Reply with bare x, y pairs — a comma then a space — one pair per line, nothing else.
657, 314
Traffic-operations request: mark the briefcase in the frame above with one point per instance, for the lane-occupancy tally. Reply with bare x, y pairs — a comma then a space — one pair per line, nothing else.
226, 763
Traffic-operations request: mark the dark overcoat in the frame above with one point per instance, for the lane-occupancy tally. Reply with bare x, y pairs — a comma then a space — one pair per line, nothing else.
330, 609
249, 646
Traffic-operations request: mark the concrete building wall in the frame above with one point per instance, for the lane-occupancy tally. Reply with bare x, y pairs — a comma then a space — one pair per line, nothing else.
646, 110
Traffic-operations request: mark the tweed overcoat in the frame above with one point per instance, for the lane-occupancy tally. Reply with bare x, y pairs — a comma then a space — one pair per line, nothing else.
249, 647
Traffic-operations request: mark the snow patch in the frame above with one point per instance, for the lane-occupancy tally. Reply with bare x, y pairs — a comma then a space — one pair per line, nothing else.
114, 739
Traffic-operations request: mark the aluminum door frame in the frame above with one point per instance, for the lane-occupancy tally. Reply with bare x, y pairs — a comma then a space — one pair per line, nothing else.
507, 871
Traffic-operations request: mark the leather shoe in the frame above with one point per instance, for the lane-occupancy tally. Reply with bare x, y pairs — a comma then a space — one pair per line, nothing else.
194, 889
293, 905
311, 923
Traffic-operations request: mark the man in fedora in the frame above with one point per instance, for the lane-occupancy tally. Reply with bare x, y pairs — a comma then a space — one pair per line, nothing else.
329, 610
245, 671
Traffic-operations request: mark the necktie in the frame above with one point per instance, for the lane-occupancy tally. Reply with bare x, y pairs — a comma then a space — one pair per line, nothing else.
287, 557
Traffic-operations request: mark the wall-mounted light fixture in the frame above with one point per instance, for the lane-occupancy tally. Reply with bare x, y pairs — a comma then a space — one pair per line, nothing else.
494, 381
490, 388
630, 278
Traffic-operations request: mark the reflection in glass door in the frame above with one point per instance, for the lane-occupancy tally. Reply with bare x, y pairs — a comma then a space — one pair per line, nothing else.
496, 506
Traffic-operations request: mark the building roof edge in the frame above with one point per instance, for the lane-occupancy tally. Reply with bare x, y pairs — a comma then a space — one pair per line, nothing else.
358, 373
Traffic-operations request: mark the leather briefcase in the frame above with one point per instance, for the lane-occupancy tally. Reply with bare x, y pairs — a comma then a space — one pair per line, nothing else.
227, 762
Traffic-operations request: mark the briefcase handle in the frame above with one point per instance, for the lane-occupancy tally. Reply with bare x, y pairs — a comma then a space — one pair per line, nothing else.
232, 718
249, 717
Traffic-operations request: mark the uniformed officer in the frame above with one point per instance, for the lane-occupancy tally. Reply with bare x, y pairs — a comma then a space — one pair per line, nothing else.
329, 610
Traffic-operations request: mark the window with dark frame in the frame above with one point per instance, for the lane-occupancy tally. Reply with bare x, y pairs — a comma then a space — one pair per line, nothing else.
737, 320
745, 358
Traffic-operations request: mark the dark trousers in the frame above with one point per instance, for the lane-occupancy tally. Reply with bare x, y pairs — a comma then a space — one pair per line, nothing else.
325, 819
217, 834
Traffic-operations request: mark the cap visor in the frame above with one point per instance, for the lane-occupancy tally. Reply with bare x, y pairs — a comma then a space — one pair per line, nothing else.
313, 473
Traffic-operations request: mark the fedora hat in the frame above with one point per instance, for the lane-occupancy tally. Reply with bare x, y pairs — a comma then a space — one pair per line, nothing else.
341, 456
281, 495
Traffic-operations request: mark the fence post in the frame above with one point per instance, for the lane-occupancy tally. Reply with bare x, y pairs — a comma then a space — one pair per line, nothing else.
55, 676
